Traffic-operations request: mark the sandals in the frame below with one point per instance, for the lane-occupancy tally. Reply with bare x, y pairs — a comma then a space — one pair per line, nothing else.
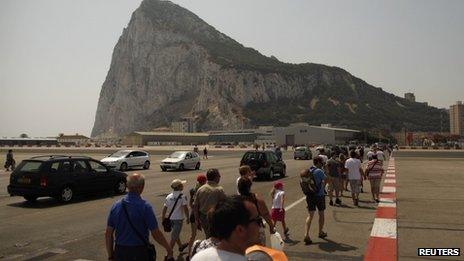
308, 241
322, 235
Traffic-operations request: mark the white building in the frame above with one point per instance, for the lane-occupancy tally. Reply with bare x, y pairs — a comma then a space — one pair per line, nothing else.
303, 133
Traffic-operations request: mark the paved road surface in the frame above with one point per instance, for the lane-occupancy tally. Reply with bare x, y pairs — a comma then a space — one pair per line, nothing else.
52, 231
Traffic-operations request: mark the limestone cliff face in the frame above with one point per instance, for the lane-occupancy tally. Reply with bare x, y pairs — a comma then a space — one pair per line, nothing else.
169, 64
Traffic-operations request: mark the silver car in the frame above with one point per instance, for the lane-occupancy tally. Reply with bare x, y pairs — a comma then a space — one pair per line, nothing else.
302, 153
181, 160
125, 159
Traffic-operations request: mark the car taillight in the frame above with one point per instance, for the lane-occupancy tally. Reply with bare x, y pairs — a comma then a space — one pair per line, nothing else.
43, 181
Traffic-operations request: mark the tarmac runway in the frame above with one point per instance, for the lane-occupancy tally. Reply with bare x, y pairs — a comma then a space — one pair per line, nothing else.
429, 193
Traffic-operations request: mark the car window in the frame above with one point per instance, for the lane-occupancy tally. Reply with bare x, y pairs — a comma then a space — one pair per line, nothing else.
97, 167
54, 167
253, 156
194, 155
177, 155
132, 154
141, 154
30, 166
80, 166
118, 154
188, 156
66, 167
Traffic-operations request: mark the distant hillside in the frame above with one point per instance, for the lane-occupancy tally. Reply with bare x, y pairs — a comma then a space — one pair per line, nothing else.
168, 63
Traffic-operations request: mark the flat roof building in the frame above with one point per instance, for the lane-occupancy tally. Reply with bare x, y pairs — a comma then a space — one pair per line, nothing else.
303, 133
165, 138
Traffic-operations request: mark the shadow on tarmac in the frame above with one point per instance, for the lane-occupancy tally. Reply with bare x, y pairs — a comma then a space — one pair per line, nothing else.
48, 202
332, 246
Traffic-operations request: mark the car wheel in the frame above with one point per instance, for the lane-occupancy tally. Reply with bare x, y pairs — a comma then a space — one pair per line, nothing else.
123, 166
30, 198
197, 167
146, 165
163, 169
181, 167
66, 194
120, 187
270, 175
294, 158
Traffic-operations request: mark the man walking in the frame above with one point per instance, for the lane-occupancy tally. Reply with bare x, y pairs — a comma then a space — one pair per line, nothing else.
334, 179
205, 153
206, 198
245, 172
355, 173
131, 219
316, 199
236, 223
10, 162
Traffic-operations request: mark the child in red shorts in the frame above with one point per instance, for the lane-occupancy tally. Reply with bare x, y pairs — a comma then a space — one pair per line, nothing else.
278, 201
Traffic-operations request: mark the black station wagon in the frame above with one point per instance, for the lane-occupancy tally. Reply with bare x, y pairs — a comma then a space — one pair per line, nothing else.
63, 177
264, 163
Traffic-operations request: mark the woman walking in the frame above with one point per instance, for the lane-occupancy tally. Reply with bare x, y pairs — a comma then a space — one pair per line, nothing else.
201, 180
244, 188
374, 171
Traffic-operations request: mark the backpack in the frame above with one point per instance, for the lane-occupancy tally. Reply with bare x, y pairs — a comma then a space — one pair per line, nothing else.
308, 184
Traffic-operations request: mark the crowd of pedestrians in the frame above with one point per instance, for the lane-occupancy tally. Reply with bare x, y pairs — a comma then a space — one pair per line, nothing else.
233, 225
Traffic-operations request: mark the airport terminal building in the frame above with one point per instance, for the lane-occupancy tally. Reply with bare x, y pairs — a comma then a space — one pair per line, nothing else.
303, 133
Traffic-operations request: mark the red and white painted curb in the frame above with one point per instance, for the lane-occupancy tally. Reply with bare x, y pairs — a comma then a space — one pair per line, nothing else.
382, 244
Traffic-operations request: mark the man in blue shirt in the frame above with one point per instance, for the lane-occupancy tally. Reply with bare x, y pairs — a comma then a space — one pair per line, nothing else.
128, 245
316, 200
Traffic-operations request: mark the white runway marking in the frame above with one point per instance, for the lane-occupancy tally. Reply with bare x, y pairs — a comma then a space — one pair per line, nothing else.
387, 204
384, 227
390, 176
388, 189
390, 181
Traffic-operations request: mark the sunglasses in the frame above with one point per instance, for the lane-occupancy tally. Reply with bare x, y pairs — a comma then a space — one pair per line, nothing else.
257, 220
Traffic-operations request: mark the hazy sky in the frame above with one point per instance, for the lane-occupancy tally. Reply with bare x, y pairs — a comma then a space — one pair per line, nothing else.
55, 54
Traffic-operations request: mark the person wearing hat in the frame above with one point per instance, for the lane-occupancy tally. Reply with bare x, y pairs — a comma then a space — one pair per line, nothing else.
176, 205
201, 180
278, 203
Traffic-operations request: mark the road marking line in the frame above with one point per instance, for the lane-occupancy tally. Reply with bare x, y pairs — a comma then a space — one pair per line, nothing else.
384, 227
388, 189
387, 204
387, 200
294, 203
382, 244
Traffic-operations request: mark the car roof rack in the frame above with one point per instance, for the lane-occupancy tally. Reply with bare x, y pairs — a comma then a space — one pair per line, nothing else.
59, 156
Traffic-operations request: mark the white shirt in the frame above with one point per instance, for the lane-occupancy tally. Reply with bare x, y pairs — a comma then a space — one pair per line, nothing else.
380, 155
353, 166
238, 193
277, 200
178, 213
324, 158
214, 254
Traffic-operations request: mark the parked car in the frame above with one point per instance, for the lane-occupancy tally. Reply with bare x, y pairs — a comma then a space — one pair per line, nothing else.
302, 153
126, 159
181, 160
264, 163
62, 177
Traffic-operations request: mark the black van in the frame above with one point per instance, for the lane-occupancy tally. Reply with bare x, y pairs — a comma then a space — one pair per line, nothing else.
265, 163
62, 177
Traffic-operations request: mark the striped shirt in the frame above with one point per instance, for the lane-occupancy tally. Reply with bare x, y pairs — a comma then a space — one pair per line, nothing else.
375, 169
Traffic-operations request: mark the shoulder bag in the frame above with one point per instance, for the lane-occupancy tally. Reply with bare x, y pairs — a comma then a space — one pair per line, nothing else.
167, 225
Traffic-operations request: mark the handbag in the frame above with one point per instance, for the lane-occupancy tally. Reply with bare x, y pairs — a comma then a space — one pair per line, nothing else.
151, 251
167, 225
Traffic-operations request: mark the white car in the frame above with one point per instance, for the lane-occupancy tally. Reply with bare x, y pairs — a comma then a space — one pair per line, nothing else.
181, 160
125, 159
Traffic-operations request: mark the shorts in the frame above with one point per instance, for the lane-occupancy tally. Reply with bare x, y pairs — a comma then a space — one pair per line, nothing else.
335, 184
176, 228
277, 214
355, 186
375, 183
315, 201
